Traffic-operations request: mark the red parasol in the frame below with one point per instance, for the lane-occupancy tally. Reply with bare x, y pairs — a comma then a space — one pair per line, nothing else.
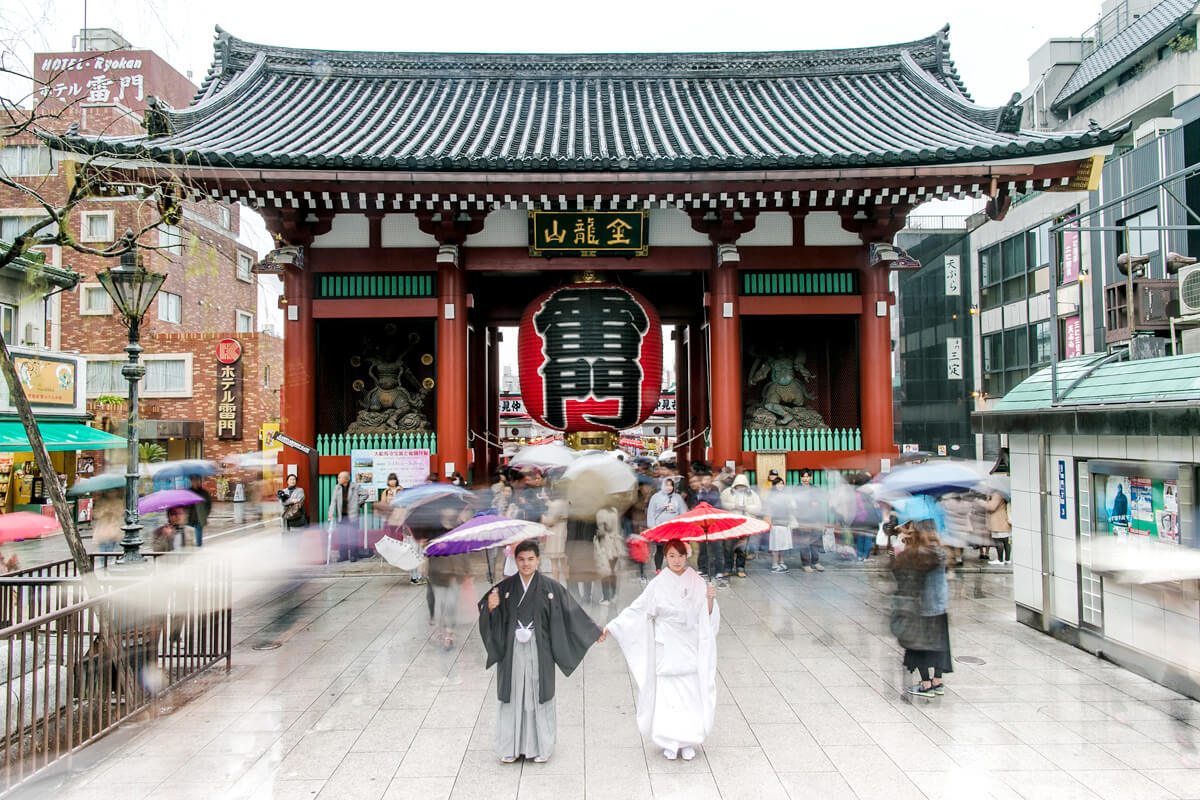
707, 523
18, 525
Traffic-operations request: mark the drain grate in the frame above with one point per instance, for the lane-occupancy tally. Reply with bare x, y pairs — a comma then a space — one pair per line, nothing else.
961, 659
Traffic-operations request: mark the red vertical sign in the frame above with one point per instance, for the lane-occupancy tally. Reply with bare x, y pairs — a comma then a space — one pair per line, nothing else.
1072, 336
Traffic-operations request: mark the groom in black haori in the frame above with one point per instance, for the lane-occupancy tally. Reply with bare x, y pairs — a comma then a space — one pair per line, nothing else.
529, 623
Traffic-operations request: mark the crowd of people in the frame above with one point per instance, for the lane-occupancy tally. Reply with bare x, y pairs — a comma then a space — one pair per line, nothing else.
668, 633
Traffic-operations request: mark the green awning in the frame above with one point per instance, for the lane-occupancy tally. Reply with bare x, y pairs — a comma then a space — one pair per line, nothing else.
58, 436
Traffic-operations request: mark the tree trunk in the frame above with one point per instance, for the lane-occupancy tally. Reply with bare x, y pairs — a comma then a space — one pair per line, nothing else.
54, 488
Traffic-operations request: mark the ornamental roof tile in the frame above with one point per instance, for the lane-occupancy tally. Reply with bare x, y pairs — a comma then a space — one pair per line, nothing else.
1114, 53
895, 105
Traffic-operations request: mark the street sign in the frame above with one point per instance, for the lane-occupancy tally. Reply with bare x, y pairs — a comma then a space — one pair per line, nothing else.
283, 438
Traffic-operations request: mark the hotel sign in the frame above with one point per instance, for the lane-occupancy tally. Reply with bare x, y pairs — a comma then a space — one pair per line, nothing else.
589, 233
229, 389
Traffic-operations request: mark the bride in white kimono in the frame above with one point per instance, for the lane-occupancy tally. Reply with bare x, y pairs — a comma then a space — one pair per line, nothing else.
669, 637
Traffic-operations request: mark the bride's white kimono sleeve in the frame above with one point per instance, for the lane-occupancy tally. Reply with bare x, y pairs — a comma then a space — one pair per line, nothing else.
669, 639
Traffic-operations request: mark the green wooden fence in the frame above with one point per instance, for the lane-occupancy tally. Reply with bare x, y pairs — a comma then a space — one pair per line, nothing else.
799, 283
372, 284
823, 440
340, 444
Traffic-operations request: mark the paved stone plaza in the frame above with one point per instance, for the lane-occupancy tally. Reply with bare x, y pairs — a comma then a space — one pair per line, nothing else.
357, 702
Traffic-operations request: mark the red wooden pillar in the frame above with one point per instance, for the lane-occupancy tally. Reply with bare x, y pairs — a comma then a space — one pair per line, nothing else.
477, 376
493, 401
682, 388
725, 366
452, 415
298, 400
875, 367
697, 350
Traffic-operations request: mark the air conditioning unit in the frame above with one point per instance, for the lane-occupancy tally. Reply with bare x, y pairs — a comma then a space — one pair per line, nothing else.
1189, 290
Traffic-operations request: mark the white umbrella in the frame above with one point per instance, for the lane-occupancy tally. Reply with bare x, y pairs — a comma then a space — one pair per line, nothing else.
596, 480
544, 456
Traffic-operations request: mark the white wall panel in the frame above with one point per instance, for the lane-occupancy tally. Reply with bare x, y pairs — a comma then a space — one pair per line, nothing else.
771, 229
504, 227
672, 227
825, 228
400, 230
349, 230
1066, 600
1118, 617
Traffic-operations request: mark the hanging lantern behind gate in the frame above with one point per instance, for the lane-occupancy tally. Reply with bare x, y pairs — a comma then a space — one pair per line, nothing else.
590, 358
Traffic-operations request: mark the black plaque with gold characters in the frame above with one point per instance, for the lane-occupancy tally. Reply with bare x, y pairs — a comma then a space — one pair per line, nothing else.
589, 233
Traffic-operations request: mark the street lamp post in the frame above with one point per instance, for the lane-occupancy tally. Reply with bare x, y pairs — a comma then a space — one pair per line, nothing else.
132, 289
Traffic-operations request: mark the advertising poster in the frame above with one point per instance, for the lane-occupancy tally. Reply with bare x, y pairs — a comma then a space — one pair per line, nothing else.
371, 467
1141, 507
1167, 519
1116, 504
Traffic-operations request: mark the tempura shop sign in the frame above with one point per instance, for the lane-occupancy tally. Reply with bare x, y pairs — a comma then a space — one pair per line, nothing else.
229, 389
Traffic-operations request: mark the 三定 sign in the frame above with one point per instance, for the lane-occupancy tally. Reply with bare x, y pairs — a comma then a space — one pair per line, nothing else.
954, 358
953, 276
589, 233
229, 389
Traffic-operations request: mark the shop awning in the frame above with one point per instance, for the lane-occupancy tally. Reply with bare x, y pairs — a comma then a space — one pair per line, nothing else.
58, 436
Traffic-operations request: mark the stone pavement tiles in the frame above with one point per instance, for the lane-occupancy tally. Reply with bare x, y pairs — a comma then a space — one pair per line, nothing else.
358, 703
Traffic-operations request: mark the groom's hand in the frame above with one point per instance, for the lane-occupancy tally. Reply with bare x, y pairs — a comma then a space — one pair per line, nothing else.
493, 599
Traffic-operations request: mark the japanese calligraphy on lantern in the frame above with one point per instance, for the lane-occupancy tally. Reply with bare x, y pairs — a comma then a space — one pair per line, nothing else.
229, 389
590, 358
588, 233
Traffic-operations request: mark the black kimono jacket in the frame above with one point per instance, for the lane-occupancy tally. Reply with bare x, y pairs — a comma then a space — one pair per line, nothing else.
562, 631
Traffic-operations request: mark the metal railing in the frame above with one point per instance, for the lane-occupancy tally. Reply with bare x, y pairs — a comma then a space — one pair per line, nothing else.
66, 685
818, 440
340, 444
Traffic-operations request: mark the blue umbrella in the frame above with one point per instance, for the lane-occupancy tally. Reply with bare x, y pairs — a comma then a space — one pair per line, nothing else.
97, 483
184, 469
917, 508
932, 477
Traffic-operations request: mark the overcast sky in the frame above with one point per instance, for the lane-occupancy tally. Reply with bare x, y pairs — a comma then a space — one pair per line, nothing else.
989, 42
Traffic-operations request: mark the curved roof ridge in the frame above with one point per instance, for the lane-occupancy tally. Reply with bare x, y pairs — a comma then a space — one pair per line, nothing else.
219, 97
232, 54
958, 101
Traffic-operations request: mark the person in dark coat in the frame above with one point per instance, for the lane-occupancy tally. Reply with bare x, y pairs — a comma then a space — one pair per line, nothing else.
529, 623
198, 513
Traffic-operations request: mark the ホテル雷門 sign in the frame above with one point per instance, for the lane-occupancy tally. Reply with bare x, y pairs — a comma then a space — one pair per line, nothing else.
229, 389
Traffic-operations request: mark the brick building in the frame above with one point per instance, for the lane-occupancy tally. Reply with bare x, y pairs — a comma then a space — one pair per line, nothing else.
210, 292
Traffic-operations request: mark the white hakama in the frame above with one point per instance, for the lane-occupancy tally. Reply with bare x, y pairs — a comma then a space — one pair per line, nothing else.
525, 727
669, 639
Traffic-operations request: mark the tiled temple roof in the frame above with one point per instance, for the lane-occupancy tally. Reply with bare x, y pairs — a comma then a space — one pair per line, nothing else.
895, 105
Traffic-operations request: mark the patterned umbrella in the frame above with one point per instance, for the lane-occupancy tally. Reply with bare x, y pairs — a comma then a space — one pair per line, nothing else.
18, 525
167, 498
707, 523
418, 496
484, 532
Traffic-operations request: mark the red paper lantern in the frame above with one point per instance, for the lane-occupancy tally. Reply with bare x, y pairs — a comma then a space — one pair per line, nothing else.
590, 358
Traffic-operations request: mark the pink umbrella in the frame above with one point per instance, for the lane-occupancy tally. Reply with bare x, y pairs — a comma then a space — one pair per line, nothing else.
167, 498
20, 525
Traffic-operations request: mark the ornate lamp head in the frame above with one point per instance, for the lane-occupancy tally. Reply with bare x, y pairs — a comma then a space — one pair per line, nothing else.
130, 286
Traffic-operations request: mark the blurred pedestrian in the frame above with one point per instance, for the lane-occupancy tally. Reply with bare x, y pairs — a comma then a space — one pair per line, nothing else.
999, 527
555, 520
345, 502
664, 506
447, 575
923, 630
711, 559
741, 499
108, 514
197, 514
778, 505
174, 534
811, 511
669, 638
609, 546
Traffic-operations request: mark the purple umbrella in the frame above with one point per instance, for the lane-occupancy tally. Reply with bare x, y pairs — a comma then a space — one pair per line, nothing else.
167, 498
484, 532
